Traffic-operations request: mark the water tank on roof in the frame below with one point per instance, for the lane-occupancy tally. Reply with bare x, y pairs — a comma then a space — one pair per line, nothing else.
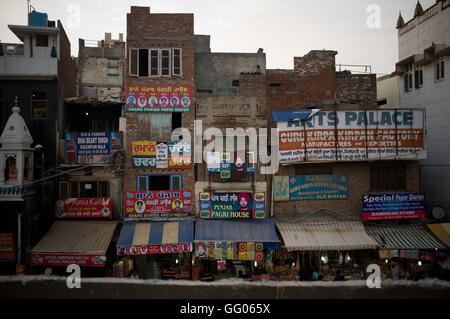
37, 19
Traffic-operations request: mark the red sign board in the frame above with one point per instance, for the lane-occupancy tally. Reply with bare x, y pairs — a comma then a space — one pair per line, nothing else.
154, 249
160, 204
44, 259
97, 207
7, 246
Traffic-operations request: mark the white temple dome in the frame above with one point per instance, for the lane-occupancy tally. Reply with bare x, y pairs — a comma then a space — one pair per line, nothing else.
16, 133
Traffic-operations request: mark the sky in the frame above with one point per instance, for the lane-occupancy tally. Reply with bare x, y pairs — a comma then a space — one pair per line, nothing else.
362, 31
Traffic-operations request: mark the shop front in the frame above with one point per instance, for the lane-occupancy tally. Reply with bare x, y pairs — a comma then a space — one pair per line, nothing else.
161, 250
85, 243
409, 252
323, 250
234, 248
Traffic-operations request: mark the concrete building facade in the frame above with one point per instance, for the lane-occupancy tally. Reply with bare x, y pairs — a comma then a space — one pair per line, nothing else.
423, 71
231, 93
97, 108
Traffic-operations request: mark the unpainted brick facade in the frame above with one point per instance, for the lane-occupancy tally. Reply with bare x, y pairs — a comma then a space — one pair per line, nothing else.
313, 83
147, 30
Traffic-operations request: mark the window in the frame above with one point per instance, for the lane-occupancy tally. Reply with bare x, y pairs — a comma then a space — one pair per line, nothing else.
176, 62
154, 58
388, 177
133, 62
155, 62
63, 190
418, 77
39, 105
165, 62
88, 189
176, 120
10, 168
159, 182
143, 62
27, 170
408, 78
312, 169
41, 40
439, 70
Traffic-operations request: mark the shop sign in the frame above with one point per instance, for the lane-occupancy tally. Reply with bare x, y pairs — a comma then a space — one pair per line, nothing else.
97, 207
221, 250
353, 135
393, 206
37, 259
90, 147
232, 205
310, 187
157, 204
154, 249
151, 154
7, 251
158, 98
20, 269
231, 166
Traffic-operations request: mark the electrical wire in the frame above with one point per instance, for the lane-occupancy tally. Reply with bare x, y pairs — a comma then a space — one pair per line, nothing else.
106, 160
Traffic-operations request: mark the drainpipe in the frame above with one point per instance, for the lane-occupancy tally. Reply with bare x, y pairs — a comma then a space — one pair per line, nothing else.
19, 238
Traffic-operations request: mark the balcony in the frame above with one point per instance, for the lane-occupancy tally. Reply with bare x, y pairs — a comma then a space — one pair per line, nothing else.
17, 65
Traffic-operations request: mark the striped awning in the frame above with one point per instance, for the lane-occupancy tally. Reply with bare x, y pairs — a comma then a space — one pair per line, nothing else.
441, 231
327, 235
74, 242
238, 231
404, 237
155, 238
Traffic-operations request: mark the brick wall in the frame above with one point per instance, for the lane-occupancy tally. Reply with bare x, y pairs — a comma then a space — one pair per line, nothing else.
67, 70
357, 90
312, 80
145, 30
358, 184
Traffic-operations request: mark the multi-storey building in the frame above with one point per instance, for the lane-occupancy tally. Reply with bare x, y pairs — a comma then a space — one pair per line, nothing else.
35, 76
159, 178
423, 75
92, 135
336, 149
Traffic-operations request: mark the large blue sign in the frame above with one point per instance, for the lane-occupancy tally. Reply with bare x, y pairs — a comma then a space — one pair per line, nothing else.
90, 147
318, 187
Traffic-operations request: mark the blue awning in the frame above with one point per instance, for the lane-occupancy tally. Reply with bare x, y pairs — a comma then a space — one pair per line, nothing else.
157, 237
286, 116
238, 231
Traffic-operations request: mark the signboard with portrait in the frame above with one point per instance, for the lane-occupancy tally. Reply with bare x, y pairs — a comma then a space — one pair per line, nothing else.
310, 187
97, 207
154, 249
232, 205
147, 205
90, 147
353, 135
231, 166
393, 206
158, 98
